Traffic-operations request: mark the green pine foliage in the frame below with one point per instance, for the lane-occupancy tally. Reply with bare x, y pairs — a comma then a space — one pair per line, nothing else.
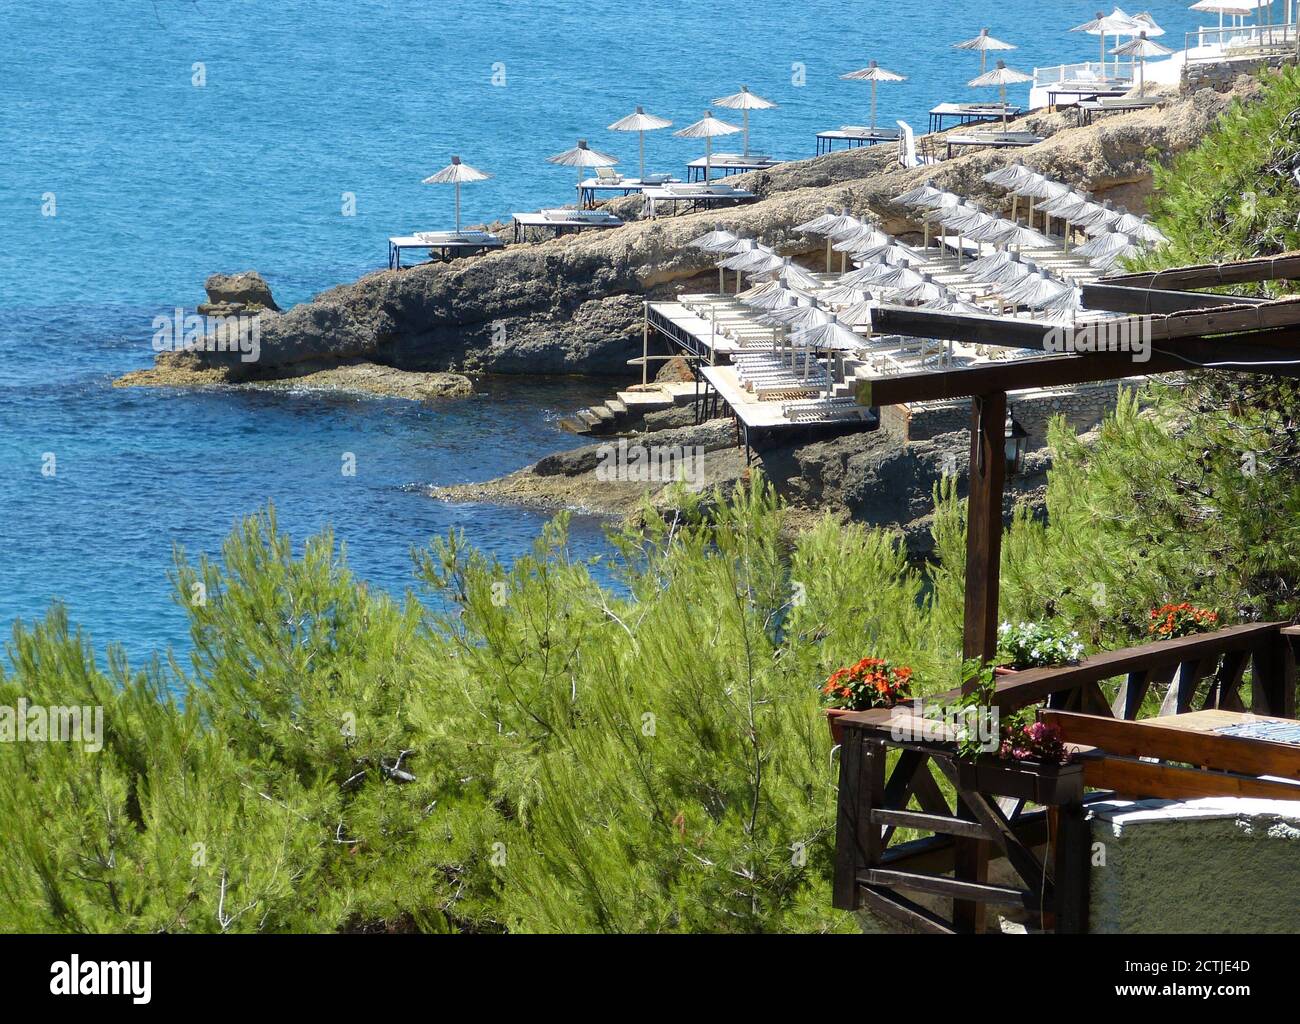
1236, 194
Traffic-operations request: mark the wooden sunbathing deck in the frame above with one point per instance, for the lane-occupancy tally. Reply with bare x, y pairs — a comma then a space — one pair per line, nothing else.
690, 331
764, 415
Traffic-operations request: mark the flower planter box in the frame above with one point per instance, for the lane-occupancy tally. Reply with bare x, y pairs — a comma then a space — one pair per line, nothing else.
833, 716
1049, 784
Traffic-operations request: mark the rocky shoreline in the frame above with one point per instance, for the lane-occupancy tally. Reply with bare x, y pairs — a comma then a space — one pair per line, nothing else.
356, 377
862, 476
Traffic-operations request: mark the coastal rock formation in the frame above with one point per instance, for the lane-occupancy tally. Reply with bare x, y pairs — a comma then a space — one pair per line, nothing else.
863, 477
232, 294
358, 377
573, 305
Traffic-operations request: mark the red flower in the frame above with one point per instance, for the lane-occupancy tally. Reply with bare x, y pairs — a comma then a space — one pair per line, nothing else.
868, 683
1182, 619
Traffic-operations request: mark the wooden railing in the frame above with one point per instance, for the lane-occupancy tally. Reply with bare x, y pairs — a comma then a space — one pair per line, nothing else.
1182, 665
988, 815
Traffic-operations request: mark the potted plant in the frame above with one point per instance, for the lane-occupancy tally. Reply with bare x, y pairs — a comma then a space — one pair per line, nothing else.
871, 683
1183, 619
1036, 645
1028, 759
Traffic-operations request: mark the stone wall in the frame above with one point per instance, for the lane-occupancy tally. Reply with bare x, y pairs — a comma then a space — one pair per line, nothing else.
1222, 75
1084, 407
1211, 866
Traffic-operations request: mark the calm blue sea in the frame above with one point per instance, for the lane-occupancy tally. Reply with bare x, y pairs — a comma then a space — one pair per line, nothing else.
147, 143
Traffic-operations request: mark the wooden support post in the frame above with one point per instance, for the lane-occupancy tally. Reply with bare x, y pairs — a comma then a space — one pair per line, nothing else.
970, 864
1271, 665
1072, 873
645, 341
851, 819
858, 840
988, 469
1289, 676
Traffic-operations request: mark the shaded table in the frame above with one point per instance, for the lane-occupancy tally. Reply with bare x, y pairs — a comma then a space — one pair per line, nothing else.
854, 136
993, 140
561, 221
969, 113
448, 245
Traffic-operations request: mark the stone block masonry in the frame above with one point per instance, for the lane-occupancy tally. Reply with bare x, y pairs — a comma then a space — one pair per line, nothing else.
1222, 75
1084, 407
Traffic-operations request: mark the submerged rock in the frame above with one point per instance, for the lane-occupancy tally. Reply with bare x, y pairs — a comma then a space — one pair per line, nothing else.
360, 378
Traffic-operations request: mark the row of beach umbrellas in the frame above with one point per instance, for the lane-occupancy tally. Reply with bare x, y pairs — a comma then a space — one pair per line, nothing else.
1141, 27
984, 44
821, 317
707, 128
584, 158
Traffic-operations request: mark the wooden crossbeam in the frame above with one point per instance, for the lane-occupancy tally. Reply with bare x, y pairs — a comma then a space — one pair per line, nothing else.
1119, 298
1016, 333
1215, 275
944, 824
906, 912
998, 828
1225, 694
1150, 738
975, 892
1178, 698
1135, 779
1047, 371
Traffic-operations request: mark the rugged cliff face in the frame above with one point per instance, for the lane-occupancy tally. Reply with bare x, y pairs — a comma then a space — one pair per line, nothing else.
573, 305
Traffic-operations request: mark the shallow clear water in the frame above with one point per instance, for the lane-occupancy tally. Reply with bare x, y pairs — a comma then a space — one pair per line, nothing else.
306, 108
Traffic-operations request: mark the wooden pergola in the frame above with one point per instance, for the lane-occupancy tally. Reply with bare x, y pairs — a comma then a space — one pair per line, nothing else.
1187, 329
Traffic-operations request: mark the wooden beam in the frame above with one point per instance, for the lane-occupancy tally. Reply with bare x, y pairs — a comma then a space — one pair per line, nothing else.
1225, 694
1150, 738
988, 467
1276, 324
906, 912
1215, 275
1138, 779
1072, 870
1271, 692
969, 891
1033, 685
1129, 299
1041, 372
851, 822
940, 823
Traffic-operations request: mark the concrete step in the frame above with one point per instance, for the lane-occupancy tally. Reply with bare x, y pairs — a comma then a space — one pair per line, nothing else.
644, 401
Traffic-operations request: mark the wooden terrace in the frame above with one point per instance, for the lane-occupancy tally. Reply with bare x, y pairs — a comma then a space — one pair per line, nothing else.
1176, 719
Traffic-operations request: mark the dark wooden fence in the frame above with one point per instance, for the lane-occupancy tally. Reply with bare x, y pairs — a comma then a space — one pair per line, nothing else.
996, 807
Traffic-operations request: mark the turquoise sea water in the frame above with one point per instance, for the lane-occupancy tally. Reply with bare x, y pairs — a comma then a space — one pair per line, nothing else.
170, 139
